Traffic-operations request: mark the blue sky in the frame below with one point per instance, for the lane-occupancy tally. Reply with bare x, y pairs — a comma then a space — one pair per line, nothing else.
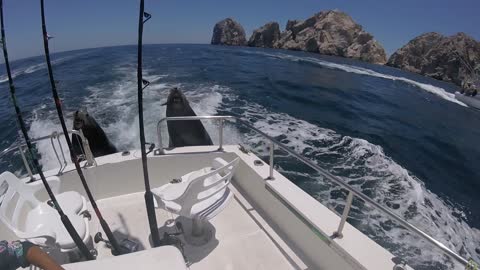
96, 23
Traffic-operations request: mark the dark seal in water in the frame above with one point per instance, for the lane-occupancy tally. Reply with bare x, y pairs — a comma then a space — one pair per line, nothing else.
184, 133
97, 139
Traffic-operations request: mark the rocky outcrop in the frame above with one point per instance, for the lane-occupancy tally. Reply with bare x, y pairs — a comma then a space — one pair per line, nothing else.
410, 56
228, 32
291, 24
265, 36
440, 57
333, 33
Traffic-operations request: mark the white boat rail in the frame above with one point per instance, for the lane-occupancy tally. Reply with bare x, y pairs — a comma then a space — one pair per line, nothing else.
351, 190
61, 161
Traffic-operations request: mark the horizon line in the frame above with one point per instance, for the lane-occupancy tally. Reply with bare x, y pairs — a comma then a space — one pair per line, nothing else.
100, 47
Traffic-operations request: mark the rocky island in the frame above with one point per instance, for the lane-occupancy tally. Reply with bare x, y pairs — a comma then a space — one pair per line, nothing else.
453, 59
328, 32
265, 36
332, 33
228, 32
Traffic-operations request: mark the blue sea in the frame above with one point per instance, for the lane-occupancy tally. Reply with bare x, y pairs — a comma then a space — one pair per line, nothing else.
401, 138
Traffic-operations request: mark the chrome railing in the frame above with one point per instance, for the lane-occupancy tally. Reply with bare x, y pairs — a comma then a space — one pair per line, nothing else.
90, 160
352, 192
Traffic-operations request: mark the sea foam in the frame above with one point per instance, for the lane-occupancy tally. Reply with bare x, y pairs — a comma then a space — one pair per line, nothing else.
438, 91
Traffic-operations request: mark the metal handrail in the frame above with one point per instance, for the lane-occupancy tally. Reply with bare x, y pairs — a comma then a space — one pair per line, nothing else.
352, 191
55, 135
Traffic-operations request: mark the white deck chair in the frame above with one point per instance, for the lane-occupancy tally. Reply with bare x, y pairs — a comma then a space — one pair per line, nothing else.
201, 194
37, 221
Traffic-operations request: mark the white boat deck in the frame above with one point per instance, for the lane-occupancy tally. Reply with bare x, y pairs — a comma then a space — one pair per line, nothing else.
269, 224
238, 241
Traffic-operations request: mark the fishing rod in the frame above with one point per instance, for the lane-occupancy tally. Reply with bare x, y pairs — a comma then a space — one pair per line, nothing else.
113, 242
65, 220
152, 218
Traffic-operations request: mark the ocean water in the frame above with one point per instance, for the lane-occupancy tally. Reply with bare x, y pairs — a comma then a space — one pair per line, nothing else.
400, 138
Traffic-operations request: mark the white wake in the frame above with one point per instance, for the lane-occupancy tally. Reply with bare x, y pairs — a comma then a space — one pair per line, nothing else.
438, 91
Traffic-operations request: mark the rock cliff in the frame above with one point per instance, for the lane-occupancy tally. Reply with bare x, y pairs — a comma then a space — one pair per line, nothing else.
440, 57
333, 33
228, 32
265, 36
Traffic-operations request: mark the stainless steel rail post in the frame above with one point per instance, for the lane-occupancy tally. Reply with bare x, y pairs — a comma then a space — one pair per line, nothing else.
346, 211
55, 135
160, 141
25, 163
272, 149
63, 155
220, 135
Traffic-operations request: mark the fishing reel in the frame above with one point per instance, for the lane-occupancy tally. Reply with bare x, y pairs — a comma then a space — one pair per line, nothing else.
126, 245
173, 240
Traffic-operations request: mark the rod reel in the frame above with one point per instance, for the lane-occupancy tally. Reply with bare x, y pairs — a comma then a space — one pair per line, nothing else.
172, 239
126, 245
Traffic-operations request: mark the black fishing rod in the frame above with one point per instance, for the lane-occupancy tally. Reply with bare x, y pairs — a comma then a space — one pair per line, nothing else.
115, 247
65, 220
152, 218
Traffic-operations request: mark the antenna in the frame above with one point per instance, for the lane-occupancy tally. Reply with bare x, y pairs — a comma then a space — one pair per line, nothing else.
141, 84
115, 247
65, 220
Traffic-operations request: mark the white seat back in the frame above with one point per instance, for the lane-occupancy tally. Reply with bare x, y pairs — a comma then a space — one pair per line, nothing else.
19, 199
207, 186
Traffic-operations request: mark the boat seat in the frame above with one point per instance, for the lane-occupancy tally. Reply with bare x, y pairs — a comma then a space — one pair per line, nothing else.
200, 195
164, 257
29, 218
72, 200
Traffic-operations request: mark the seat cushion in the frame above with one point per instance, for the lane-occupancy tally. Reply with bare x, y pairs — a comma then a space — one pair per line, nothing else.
63, 237
44, 219
71, 202
173, 191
